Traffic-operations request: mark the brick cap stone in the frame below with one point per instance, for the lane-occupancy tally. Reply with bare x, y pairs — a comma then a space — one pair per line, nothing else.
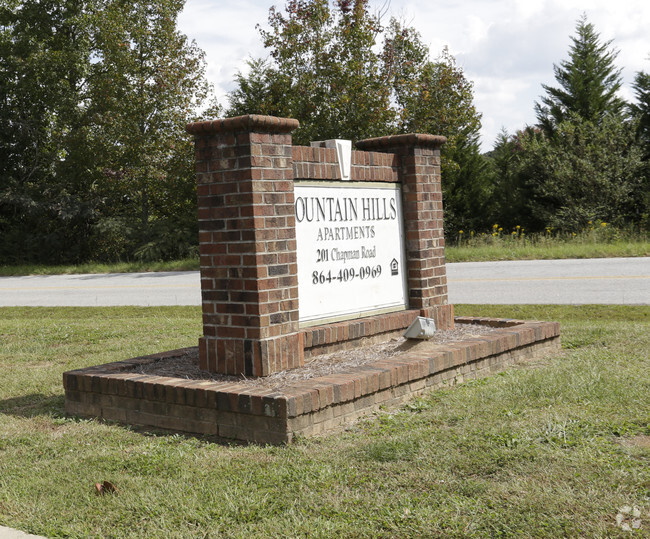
394, 141
248, 123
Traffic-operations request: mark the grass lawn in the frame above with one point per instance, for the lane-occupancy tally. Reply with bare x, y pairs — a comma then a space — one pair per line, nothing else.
516, 250
189, 264
550, 449
599, 240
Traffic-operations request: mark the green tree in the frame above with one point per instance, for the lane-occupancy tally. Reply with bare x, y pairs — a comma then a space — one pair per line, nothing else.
329, 69
45, 189
589, 82
641, 112
260, 91
94, 98
148, 81
405, 65
585, 165
509, 192
467, 192
641, 109
323, 71
585, 172
436, 97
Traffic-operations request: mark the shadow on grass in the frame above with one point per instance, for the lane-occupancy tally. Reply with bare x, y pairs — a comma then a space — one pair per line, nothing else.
37, 404
34, 404
53, 406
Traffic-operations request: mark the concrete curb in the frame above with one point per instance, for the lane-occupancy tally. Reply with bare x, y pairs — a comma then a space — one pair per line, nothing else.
10, 533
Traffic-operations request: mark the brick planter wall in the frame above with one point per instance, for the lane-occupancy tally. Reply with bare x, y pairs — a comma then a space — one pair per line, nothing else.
235, 410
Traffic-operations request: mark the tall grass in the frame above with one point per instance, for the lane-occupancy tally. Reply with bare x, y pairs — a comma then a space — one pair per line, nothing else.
188, 264
598, 240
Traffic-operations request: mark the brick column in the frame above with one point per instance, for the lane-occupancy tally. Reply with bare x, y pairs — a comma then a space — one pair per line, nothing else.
423, 216
247, 244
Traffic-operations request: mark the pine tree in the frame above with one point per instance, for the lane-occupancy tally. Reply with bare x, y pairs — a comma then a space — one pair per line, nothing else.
641, 109
641, 112
588, 82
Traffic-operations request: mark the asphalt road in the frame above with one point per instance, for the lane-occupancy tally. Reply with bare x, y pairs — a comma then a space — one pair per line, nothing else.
623, 281
89, 290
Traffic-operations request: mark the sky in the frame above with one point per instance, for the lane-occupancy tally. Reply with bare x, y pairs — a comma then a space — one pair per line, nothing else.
507, 48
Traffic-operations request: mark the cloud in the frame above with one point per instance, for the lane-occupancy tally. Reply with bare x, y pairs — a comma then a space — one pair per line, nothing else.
227, 34
506, 47
511, 49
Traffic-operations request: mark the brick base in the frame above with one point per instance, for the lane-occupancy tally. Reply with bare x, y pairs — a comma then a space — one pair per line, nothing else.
234, 410
443, 315
251, 357
261, 358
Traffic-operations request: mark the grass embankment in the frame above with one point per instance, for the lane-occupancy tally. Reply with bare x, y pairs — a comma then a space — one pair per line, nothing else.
598, 241
551, 449
519, 251
189, 264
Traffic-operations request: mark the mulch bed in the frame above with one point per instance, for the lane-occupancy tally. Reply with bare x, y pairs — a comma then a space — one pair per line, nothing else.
187, 365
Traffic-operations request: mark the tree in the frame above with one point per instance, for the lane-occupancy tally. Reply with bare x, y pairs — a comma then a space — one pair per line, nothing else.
435, 97
641, 109
404, 62
44, 189
94, 98
509, 194
585, 172
323, 71
261, 91
147, 83
585, 165
328, 69
466, 188
589, 82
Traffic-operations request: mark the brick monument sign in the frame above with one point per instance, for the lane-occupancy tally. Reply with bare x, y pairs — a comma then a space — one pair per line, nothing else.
306, 251
254, 269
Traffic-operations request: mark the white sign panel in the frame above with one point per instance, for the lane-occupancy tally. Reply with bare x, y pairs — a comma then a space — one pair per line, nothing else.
350, 241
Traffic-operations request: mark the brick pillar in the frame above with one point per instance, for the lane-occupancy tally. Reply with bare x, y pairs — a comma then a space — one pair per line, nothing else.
423, 216
247, 244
